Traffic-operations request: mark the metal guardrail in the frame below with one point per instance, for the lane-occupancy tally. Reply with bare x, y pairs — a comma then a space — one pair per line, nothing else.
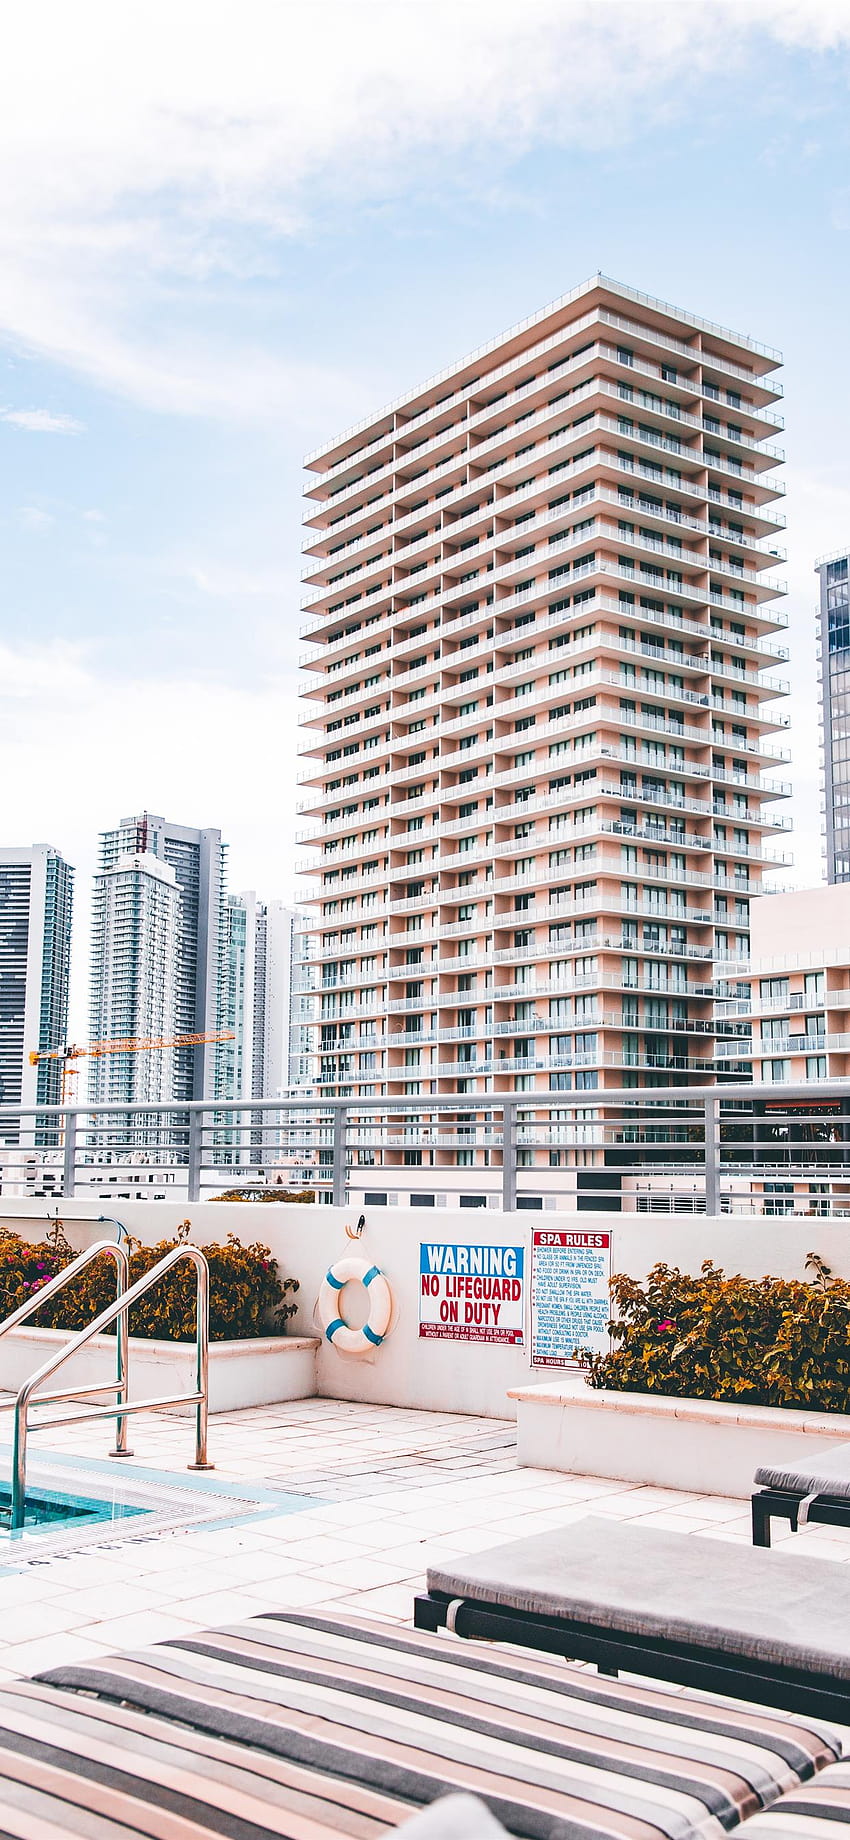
118, 1313
719, 1148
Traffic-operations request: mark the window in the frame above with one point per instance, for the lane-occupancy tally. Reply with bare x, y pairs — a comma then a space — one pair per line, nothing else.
816, 1067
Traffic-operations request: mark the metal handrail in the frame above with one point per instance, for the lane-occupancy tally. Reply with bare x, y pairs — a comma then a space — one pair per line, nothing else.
118, 1252
117, 1312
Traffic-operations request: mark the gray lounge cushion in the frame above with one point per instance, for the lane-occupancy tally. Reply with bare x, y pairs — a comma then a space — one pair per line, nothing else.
827, 1473
740, 1600
815, 1812
454, 1817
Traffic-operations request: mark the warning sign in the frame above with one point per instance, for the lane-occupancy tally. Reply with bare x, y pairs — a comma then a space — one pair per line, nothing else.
472, 1293
570, 1305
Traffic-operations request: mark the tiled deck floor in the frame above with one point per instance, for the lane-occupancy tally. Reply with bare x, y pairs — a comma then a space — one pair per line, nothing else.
397, 1488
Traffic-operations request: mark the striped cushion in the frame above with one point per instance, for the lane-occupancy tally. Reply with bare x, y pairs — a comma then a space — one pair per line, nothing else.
297, 1725
813, 1813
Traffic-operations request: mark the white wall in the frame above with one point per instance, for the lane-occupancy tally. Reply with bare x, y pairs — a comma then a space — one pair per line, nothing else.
810, 923
447, 1376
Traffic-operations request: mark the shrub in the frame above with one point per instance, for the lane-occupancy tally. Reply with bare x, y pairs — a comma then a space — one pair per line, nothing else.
255, 1192
769, 1341
247, 1296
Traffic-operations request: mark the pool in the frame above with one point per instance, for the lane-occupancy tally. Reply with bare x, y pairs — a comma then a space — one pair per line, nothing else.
54, 1509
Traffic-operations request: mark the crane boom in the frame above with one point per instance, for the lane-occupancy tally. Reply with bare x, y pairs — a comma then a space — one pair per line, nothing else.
127, 1044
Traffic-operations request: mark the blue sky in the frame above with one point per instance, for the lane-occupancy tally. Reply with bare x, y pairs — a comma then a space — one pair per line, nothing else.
227, 233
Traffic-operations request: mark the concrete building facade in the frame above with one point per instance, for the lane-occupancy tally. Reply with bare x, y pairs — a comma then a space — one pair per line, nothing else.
540, 708
36, 906
795, 991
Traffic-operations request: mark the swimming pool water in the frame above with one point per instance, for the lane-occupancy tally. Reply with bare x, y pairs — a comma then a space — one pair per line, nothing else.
54, 1509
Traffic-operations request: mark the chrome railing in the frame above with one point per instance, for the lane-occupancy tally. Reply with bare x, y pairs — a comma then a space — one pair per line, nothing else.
119, 1314
706, 1143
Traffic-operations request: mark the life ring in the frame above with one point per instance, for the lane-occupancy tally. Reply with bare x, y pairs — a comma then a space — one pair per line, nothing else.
336, 1330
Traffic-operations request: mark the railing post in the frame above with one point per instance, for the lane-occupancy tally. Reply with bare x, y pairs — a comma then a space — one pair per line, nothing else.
508, 1155
340, 1117
202, 1362
195, 1154
122, 1352
69, 1161
712, 1156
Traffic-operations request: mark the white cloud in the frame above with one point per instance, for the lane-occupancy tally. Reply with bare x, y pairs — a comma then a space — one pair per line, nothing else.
187, 749
31, 517
149, 150
41, 421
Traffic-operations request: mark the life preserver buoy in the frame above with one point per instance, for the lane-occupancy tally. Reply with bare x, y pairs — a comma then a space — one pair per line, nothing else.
335, 1329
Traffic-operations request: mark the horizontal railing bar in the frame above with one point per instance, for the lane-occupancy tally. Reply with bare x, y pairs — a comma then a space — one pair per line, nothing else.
68, 1392
733, 1092
119, 1411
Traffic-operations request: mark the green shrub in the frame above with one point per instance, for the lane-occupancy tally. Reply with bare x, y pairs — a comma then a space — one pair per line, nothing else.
766, 1341
247, 1296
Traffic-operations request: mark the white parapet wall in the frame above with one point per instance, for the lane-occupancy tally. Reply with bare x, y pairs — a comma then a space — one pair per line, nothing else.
251, 1373
445, 1375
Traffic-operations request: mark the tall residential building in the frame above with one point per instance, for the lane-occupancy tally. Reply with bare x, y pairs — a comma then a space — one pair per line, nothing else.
36, 898
540, 603
265, 998
796, 989
834, 650
198, 859
136, 920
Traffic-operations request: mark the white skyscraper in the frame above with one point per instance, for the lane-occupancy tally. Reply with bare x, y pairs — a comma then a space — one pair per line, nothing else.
265, 1003
36, 892
198, 859
134, 982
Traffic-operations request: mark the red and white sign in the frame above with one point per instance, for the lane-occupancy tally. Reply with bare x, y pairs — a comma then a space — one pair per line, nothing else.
472, 1293
570, 1303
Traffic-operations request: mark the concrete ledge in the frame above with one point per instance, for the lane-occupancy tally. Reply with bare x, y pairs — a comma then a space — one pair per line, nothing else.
257, 1372
704, 1446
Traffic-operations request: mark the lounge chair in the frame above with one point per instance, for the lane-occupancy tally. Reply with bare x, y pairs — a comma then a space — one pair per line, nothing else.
817, 1490
717, 1616
305, 1725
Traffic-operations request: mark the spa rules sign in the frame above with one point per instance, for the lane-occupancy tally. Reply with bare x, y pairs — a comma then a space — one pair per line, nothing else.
472, 1293
570, 1304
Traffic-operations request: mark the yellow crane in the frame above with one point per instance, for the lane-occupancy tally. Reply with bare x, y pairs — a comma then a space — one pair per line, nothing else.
123, 1044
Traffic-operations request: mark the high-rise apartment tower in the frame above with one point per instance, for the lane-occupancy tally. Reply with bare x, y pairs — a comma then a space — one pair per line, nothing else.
540, 605
834, 649
198, 859
36, 897
135, 934
265, 998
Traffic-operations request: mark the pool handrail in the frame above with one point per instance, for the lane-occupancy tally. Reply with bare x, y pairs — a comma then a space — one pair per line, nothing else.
117, 1312
115, 1250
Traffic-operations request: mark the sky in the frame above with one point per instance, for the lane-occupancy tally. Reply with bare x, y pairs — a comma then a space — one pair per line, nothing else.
227, 231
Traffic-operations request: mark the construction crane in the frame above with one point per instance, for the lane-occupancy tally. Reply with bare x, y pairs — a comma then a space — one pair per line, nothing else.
126, 1044
123, 1044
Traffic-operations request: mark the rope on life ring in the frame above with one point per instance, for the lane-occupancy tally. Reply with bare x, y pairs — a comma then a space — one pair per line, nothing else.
334, 1326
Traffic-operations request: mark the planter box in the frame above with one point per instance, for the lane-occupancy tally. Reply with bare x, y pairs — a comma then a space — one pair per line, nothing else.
703, 1446
251, 1373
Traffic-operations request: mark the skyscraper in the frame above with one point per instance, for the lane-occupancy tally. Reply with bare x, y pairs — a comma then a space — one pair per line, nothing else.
539, 600
834, 635
36, 899
265, 1009
198, 859
136, 923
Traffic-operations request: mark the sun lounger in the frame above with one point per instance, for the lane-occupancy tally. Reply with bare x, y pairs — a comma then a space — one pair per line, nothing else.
817, 1490
713, 1615
306, 1726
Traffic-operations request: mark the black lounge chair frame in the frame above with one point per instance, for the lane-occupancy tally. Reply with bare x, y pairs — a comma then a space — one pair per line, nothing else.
784, 1504
612, 1650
